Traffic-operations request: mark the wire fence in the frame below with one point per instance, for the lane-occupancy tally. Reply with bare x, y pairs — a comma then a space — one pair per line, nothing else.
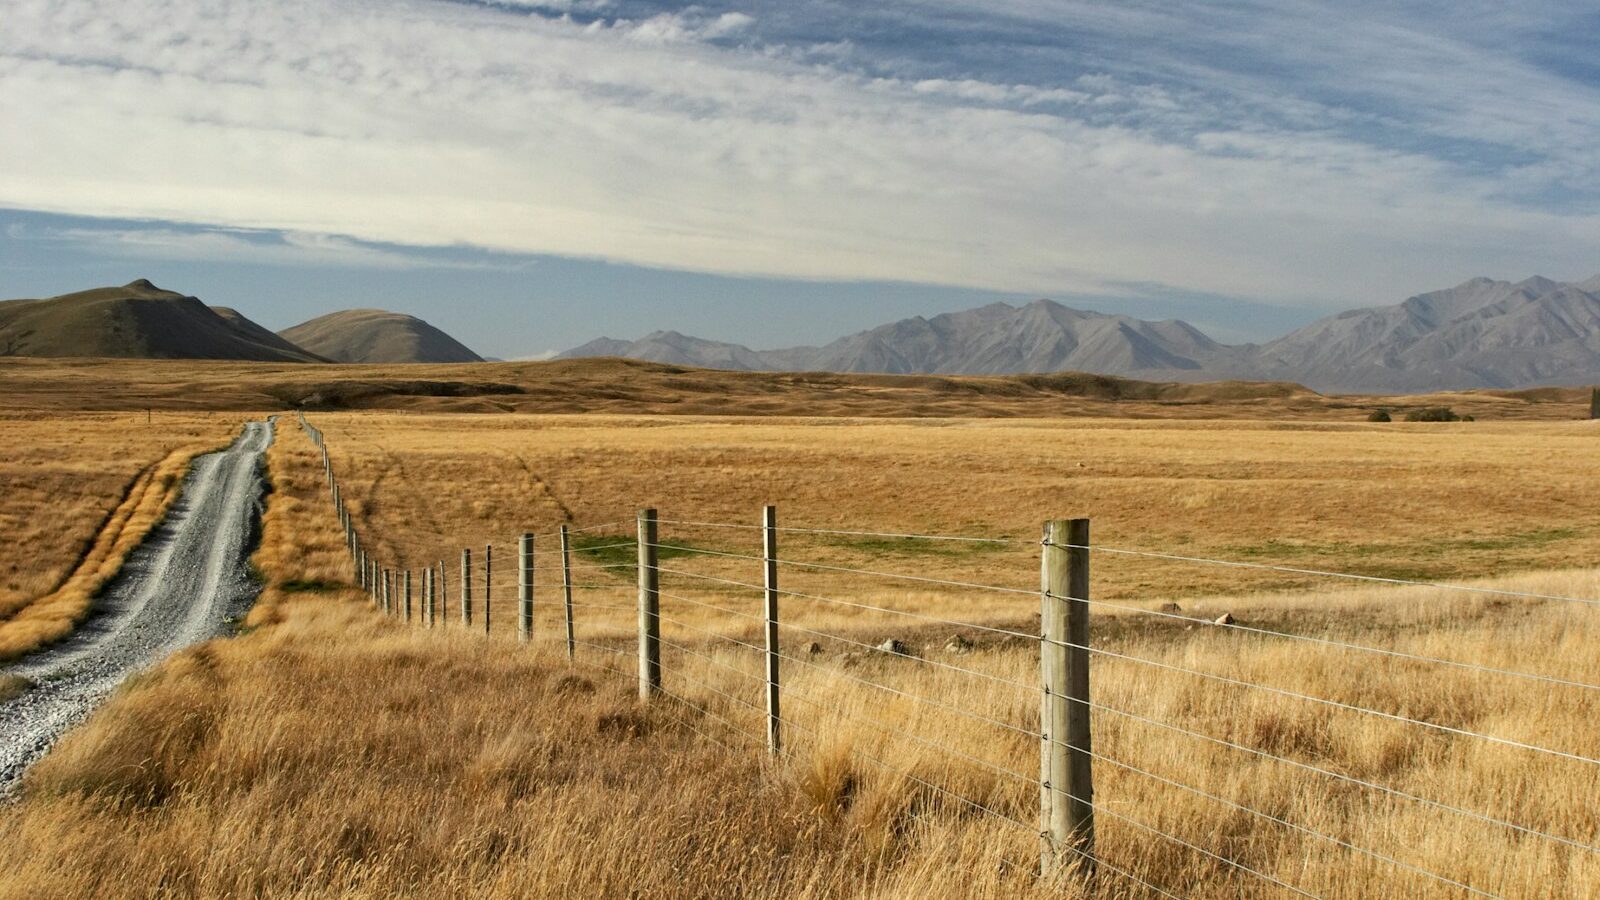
1215, 759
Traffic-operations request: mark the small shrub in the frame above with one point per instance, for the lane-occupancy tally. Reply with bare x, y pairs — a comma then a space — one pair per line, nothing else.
1433, 414
1380, 415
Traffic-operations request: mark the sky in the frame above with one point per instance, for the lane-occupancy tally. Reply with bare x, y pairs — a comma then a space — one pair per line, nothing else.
530, 174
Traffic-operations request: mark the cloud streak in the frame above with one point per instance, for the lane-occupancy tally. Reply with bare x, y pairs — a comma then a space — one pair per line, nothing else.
719, 140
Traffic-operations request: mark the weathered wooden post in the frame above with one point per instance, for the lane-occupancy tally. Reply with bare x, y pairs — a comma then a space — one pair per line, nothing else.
406, 591
566, 588
388, 592
649, 607
1066, 775
488, 584
466, 588
1594, 403
442, 594
372, 580
769, 556
427, 596
525, 589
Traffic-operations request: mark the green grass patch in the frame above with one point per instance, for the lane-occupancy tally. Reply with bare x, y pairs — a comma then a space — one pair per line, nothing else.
1411, 560
623, 552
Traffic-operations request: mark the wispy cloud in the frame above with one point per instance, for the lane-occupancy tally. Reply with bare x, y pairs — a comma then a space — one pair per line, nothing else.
288, 248
1289, 152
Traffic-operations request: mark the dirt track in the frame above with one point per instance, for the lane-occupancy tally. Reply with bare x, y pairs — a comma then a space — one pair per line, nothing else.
185, 584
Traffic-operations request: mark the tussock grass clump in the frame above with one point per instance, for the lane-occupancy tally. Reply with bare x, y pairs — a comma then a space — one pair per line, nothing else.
13, 686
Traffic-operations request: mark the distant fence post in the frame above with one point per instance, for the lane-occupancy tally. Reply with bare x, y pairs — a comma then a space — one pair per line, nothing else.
769, 556
649, 607
372, 580
466, 587
406, 591
525, 589
442, 594
488, 584
427, 596
383, 590
566, 588
1066, 777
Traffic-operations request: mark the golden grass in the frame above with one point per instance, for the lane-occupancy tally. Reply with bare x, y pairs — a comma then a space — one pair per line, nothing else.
632, 387
1409, 500
77, 495
329, 752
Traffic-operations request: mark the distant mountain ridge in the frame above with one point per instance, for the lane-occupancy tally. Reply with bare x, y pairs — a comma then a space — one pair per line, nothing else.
141, 321
1479, 334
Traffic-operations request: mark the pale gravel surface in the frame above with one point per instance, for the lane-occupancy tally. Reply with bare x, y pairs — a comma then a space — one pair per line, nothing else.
186, 583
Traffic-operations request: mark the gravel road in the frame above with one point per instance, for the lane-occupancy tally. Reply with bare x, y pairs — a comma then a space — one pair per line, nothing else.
186, 583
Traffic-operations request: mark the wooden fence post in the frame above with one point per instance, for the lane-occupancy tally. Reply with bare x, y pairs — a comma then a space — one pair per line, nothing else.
488, 584
566, 588
427, 596
466, 587
442, 594
769, 555
649, 607
406, 591
525, 589
1066, 775
388, 592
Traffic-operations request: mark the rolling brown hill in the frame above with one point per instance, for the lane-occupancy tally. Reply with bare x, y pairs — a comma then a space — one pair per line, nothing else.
138, 321
377, 336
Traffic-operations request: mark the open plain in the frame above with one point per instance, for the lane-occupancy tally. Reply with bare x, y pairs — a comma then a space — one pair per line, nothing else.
332, 751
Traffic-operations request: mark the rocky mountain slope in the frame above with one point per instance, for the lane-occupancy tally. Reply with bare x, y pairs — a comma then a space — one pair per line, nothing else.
1479, 334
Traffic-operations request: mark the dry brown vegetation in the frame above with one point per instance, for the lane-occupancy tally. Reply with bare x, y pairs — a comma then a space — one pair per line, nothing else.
632, 387
1409, 500
77, 494
329, 752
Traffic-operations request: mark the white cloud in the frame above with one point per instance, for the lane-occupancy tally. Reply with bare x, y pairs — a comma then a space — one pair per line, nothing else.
421, 123
211, 245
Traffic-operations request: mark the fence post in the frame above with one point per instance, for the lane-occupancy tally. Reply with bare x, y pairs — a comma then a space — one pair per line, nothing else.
566, 588
407, 592
649, 607
427, 596
1066, 776
769, 556
525, 589
466, 587
442, 593
388, 592
372, 580
488, 584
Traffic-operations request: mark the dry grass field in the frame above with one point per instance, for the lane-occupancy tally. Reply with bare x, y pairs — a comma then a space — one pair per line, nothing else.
623, 387
330, 752
77, 494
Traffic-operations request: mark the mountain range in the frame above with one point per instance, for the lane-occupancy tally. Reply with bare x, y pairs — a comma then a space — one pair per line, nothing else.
141, 321
1479, 334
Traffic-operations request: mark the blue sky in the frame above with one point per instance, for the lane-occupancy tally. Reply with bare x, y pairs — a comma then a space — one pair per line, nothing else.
530, 174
